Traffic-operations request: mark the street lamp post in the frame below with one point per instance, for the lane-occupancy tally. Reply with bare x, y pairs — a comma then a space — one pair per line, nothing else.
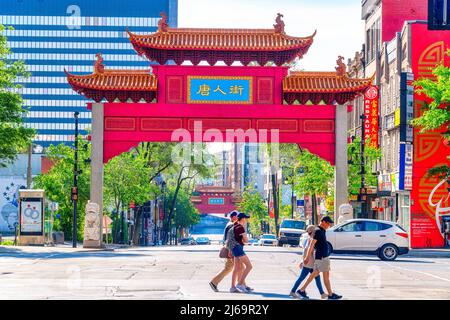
75, 183
163, 190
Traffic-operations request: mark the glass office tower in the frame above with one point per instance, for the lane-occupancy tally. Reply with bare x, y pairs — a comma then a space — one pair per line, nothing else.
50, 35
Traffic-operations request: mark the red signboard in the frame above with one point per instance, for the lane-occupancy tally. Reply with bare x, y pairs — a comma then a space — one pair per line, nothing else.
429, 196
371, 116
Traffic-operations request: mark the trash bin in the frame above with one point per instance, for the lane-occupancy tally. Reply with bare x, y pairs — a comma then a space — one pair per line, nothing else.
58, 237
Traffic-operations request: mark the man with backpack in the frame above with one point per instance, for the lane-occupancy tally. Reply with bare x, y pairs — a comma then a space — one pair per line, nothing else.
229, 262
322, 259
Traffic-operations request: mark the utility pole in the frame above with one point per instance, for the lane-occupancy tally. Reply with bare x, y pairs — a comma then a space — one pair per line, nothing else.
29, 172
275, 199
75, 183
293, 200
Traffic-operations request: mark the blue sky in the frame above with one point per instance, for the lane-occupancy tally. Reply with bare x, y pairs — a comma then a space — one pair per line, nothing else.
340, 30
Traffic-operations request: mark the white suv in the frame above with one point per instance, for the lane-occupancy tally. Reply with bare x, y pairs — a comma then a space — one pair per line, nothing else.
385, 239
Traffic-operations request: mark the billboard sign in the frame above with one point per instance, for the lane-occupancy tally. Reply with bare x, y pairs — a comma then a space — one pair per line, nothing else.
430, 198
371, 116
31, 216
406, 166
406, 106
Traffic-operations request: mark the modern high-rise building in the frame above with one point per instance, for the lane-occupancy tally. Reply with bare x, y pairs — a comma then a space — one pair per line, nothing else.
50, 35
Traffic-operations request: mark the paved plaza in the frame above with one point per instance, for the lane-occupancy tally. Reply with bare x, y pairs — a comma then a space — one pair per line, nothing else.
183, 272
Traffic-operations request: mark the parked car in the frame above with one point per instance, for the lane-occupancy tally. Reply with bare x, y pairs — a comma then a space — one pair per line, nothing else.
253, 242
291, 231
189, 241
385, 239
203, 241
268, 240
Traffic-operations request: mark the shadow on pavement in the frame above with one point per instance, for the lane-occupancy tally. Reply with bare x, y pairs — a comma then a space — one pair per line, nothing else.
64, 255
334, 257
271, 295
181, 249
9, 249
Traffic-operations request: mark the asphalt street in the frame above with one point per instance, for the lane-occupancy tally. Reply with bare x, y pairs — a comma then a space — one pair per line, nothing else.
183, 272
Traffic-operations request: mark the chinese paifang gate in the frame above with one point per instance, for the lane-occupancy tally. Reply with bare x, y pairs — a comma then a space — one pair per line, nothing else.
133, 106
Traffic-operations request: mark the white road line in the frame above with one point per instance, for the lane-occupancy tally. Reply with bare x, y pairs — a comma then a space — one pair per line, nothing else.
424, 273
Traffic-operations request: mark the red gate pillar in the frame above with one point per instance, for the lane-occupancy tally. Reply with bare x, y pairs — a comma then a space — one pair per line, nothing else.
96, 194
341, 164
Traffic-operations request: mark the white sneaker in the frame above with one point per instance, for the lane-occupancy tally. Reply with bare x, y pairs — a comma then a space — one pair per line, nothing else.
241, 288
234, 290
293, 295
324, 296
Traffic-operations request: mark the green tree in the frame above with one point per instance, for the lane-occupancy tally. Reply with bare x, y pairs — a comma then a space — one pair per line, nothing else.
436, 114
14, 137
126, 180
289, 155
129, 178
185, 215
354, 167
57, 183
316, 179
158, 157
252, 203
186, 169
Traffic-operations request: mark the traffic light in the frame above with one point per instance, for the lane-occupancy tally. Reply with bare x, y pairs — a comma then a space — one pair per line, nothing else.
74, 194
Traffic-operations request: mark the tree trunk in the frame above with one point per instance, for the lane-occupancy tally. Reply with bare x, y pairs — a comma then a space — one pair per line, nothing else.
314, 209
137, 226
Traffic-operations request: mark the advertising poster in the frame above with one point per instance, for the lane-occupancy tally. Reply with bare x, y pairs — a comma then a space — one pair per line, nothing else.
31, 216
371, 116
429, 196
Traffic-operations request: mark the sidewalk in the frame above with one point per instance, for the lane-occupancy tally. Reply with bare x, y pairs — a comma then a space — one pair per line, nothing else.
429, 253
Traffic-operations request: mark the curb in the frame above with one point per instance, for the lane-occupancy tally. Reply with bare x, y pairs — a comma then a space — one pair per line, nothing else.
422, 254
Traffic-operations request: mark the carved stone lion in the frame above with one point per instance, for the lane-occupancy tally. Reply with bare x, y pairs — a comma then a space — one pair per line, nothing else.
92, 222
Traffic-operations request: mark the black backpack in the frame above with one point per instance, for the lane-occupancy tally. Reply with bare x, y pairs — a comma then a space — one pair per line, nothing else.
231, 241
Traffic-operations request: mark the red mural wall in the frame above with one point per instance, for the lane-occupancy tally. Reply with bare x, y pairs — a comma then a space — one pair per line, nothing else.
396, 12
430, 198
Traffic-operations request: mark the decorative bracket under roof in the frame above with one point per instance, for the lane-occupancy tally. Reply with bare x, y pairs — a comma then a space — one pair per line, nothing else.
113, 85
323, 87
228, 45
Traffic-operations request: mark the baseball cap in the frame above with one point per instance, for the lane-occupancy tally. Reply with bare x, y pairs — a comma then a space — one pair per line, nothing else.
242, 215
233, 213
327, 219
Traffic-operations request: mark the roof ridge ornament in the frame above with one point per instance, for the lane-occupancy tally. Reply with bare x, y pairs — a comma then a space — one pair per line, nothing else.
162, 23
341, 68
279, 26
99, 67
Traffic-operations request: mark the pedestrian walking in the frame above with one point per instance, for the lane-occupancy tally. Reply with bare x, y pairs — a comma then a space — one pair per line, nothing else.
322, 260
229, 261
308, 268
242, 264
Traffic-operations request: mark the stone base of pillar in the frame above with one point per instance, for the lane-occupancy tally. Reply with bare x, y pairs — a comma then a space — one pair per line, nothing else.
91, 244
